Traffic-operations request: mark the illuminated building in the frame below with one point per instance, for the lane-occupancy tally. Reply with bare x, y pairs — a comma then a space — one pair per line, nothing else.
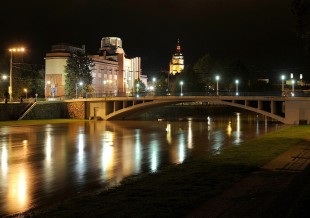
113, 73
177, 61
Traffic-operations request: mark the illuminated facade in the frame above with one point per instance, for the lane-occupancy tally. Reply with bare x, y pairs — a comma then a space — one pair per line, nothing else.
113, 74
55, 64
177, 61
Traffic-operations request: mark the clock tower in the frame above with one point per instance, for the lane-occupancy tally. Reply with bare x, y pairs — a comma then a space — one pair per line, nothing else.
177, 61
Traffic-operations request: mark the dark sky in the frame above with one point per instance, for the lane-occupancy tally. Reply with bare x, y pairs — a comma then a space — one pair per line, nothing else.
258, 32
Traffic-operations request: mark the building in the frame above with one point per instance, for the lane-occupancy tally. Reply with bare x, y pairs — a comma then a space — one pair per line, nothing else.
177, 61
55, 63
113, 74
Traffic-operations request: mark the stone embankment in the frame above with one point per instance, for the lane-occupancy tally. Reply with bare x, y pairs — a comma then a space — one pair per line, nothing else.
43, 110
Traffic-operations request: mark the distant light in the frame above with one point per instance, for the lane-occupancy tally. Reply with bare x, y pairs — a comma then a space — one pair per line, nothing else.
283, 77
217, 77
292, 76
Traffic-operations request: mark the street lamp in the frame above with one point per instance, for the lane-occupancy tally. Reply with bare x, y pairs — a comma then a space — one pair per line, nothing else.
217, 84
13, 50
181, 83
138, 85
237, 82
25, 90
76, 88
282, 78
293, 82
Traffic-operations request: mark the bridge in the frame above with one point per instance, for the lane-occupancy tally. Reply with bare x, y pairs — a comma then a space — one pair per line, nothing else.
287, 110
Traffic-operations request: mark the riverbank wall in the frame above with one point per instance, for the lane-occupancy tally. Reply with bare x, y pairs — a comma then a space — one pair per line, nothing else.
11, 111
43, 110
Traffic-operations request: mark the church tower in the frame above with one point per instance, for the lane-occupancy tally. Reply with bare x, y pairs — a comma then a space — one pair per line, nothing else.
177, 61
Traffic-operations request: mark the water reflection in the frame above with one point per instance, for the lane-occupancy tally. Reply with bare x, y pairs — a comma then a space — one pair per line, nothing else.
42, 164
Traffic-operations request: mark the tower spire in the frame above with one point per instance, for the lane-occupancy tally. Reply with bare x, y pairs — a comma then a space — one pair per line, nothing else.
178, 50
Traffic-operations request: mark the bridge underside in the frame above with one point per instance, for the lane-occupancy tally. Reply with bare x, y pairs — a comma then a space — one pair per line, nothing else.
279, 109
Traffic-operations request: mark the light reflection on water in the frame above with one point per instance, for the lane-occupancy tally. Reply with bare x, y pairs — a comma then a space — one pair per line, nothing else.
42, 164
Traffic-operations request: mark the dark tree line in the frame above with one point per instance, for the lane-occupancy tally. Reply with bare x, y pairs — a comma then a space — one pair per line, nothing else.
301, 10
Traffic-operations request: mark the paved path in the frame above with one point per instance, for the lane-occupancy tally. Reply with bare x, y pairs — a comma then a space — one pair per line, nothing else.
269, 192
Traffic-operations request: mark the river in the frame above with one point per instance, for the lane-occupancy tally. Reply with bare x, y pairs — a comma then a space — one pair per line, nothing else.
42, 164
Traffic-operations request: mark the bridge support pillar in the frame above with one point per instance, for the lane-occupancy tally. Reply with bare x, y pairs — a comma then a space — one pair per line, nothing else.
259, 105
273, 107
297, 112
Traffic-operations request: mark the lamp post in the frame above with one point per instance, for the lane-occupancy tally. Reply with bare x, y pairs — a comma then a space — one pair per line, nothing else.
293, 82
26, 91
217, 84
76, 88
13, 50
181, 83
282, 78
237, 82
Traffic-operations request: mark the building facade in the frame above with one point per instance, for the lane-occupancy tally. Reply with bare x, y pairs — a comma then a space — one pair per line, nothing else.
113, 74
177, 61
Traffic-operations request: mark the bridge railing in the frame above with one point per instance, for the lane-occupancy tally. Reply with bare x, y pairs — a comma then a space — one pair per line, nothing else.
208, 93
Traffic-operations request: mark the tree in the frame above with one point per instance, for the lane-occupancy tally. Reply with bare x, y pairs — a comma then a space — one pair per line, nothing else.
206, 68
27, 76
161, 86
78, 69
301, 9
139, 87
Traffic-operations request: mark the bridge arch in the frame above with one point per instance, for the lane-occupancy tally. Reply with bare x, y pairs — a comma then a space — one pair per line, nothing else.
119, 108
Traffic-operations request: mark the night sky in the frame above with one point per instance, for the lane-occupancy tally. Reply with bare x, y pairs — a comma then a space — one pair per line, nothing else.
260, 33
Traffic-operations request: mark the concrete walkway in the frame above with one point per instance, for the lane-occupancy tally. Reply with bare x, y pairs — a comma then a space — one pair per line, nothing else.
269, 192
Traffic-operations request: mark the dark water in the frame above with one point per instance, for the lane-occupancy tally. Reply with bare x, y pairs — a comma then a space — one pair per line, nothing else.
42, 164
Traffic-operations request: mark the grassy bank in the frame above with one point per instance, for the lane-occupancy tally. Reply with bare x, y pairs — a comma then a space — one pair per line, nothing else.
177, 190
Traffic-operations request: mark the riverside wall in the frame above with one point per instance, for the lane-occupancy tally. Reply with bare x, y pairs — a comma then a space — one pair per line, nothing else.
11, 111
43, 110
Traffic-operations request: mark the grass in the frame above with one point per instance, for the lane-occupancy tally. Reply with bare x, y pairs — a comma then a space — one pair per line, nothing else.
178, 190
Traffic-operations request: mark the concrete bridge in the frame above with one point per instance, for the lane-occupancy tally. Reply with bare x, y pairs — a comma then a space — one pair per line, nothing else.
288, 110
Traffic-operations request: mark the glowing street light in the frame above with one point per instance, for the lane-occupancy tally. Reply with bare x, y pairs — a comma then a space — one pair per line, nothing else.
76, 88
4, 77
138, 85
282, 78
26, 91
237, 82
181, 83
13, 50
217, 84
